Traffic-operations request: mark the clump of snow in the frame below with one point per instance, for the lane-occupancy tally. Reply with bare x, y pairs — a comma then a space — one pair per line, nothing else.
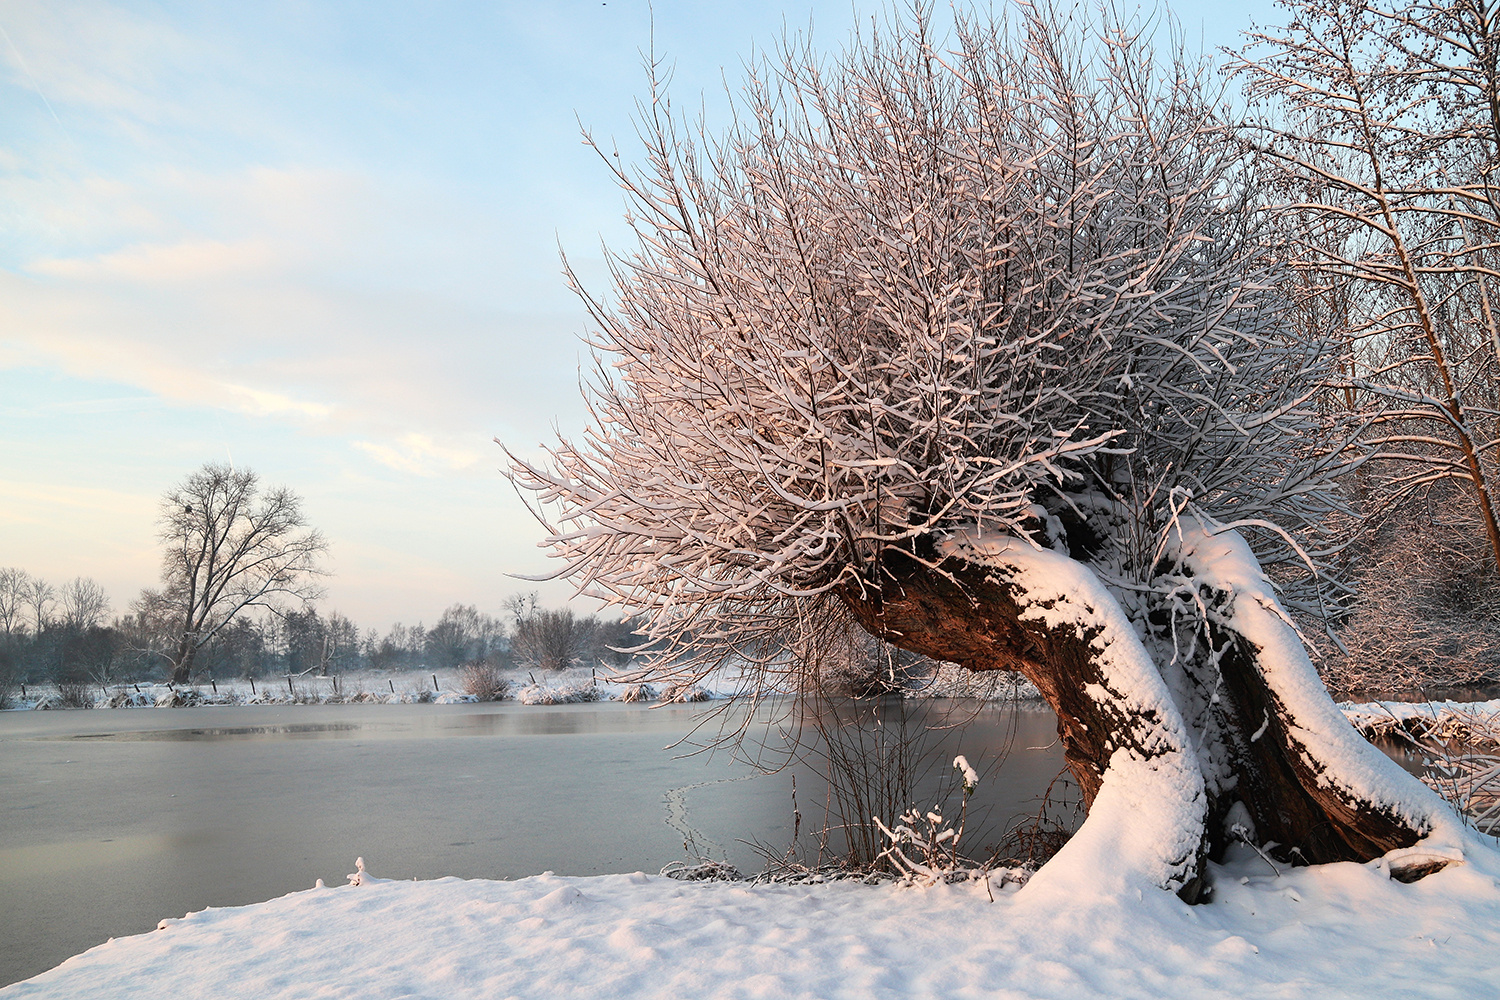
971, 777
1340, 930
360, 876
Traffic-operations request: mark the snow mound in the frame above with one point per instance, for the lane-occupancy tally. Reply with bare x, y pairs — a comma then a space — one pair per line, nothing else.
1423, 718
1339, 930
562, 694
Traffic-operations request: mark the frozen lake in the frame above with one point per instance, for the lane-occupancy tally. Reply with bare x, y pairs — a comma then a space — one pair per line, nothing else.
114, 819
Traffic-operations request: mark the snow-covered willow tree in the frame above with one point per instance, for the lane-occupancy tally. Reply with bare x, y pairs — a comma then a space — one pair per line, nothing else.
974, 347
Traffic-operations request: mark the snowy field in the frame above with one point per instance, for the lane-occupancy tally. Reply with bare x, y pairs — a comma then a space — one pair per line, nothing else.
1337, 931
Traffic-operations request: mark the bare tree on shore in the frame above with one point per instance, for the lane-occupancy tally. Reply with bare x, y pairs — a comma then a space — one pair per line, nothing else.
230, 547
13, 588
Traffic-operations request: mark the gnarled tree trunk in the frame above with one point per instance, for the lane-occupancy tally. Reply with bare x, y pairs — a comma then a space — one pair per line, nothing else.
1238, 740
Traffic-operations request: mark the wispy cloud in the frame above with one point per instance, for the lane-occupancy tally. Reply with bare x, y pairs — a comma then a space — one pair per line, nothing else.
18, 500
420, 455
192, 260
262, 402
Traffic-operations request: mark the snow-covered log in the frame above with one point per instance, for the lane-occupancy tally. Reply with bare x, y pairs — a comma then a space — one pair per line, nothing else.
1233, 737
996, 602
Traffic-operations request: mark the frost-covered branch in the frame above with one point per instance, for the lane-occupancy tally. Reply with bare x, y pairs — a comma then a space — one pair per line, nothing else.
909, 290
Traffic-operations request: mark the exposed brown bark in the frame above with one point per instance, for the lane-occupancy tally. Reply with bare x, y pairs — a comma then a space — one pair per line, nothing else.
969, 614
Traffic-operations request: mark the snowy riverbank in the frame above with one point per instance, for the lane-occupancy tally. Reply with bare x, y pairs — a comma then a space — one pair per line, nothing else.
1459, 719
446, 687
1335, 931
443, 687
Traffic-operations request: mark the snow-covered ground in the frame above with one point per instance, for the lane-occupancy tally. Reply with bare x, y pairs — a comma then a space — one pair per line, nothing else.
1336, 931
1384, 718
442, 687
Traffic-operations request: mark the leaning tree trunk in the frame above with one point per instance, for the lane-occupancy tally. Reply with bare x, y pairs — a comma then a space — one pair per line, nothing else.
1174, 760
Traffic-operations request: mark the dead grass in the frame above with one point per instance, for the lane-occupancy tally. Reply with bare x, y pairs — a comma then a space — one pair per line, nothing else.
483, 681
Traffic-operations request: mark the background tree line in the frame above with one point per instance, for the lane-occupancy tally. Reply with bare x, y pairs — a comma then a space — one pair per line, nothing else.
237, 598
67, 635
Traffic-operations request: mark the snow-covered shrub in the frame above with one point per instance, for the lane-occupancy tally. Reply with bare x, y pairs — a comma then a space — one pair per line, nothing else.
637, 693
1426, 615
703, 871
923, 847
1470, 779
680, 693
124, 698
562, 694
484, 681
179, 698
74, 695
1460, 753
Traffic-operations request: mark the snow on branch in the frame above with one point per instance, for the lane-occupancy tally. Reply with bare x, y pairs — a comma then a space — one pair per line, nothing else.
910, 290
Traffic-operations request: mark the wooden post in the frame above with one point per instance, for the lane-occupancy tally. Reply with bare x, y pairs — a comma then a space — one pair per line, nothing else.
289, 686
392, 684
252, 686
434, 683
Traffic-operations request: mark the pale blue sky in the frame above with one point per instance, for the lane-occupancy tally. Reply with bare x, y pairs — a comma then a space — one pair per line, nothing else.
321, 239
